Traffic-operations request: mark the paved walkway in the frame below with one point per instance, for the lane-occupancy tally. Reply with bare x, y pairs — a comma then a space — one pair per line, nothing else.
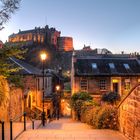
66, 129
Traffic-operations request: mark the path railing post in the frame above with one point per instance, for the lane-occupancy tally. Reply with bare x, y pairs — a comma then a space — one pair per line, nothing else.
24, 121
11, 130
2, 130
33, 124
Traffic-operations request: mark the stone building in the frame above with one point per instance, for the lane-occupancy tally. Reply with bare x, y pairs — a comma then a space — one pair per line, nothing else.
33, 85
99, 74
37, 35
46, 35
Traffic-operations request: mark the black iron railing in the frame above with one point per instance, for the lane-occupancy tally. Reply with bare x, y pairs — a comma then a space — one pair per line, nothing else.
14, 120
2, 129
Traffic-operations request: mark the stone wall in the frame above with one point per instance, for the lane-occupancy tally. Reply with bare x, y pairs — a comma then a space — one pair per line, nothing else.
11, 105
129, 115
16, 102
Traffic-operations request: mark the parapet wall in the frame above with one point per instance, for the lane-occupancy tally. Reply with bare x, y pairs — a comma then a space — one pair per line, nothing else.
129, 115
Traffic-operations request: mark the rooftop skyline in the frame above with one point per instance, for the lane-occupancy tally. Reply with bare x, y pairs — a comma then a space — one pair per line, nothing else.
110, 24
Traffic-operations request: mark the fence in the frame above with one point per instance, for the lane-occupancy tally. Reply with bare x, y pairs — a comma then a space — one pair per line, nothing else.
20, 127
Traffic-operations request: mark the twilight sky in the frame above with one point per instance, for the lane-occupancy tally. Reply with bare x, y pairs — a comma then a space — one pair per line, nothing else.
111, 24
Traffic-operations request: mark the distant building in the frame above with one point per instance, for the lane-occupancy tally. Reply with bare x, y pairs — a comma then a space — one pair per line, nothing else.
37, 35
87, 48
44, 35
1, 44
99, 74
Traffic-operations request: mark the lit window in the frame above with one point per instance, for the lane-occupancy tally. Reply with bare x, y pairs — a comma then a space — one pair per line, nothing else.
94, 65
111, 65
127, 84
102, 84
126, 66
84, 84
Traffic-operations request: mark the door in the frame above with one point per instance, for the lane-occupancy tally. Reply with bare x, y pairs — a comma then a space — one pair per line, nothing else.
115, 87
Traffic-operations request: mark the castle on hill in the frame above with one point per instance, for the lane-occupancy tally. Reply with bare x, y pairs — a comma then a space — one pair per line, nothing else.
44, 35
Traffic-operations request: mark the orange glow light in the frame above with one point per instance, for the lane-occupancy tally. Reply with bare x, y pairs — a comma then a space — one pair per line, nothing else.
43, 56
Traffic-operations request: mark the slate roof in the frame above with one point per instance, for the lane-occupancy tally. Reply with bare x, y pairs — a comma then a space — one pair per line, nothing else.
25, 69
84, 67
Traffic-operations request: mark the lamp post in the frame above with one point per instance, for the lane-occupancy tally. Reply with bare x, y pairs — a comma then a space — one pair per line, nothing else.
43, 57
58, 100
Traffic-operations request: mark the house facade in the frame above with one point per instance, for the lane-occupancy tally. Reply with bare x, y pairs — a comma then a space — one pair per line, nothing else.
99, 74
32, 100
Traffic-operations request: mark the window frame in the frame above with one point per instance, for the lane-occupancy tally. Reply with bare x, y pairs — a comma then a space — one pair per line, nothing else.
103, 84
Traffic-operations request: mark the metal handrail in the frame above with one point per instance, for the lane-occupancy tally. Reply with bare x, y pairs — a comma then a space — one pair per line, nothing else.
11, 125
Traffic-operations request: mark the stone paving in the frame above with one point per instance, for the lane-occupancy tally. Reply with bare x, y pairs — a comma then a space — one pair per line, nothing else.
66, 129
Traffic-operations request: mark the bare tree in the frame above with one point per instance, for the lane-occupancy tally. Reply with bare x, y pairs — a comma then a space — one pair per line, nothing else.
7, 7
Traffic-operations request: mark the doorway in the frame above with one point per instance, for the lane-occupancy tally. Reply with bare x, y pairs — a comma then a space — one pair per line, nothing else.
115, 87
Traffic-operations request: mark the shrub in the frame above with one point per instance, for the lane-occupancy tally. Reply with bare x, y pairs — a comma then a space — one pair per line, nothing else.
77, 101
87, 114
107, 118
111, 97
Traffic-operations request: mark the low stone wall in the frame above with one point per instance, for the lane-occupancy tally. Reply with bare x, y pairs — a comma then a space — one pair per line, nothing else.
129, 115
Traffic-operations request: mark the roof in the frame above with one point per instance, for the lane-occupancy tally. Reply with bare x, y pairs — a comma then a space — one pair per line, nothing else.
25, 69
107, 67
23, 32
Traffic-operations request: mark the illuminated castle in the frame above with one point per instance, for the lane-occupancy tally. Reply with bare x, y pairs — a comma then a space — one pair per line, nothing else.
41, 36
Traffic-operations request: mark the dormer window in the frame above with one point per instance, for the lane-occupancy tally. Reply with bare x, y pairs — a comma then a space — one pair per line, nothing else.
111, 65
94, 65
126, 66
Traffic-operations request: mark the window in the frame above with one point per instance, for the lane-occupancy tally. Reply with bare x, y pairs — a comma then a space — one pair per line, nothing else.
127, 84
84, 85
111, 65
94, 65
102, 84
126, 66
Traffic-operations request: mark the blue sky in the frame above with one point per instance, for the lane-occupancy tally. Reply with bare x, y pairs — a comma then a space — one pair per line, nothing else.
111, 24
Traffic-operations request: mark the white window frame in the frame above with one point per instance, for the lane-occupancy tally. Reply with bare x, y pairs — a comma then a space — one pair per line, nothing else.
103, 84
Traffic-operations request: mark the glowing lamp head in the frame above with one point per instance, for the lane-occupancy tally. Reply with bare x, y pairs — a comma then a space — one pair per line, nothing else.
57, 88
43, 56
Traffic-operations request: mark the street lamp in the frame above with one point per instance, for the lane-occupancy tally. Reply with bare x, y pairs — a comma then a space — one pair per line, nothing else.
58, 100
57, 88
43, 57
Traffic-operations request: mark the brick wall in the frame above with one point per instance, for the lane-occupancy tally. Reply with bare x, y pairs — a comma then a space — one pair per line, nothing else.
129, 115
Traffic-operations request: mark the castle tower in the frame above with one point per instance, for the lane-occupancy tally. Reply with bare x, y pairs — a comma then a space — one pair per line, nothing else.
65, 44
